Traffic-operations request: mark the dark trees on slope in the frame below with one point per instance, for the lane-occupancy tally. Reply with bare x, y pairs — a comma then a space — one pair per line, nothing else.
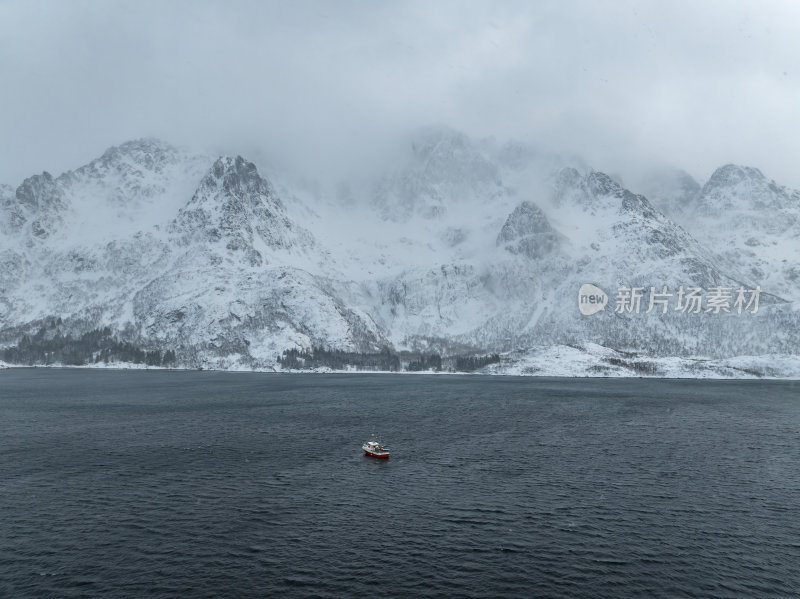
319, 357
98, 345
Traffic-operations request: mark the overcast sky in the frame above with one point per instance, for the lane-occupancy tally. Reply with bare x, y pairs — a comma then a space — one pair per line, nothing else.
694, 84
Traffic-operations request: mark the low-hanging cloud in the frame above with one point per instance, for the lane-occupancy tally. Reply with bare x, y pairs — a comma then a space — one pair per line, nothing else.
325, 85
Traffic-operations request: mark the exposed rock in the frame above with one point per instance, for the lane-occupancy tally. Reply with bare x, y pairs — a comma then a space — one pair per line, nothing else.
527, 231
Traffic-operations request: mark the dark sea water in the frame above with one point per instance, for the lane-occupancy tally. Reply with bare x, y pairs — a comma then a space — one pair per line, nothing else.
197, 484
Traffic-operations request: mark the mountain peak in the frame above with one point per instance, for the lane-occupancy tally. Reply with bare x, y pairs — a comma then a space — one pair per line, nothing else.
237, 177
237, 207
733, 174
144, 144
149, 153
741, 187
130, 166
600, 184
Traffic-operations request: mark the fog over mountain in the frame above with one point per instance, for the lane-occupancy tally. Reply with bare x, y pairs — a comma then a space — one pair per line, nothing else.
625, 84
465, 248
214, 185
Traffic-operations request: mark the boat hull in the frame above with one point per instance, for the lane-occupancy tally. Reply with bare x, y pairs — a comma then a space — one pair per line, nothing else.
375, 455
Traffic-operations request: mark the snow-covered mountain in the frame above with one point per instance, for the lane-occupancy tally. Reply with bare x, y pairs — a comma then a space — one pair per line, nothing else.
461, 247
223, 280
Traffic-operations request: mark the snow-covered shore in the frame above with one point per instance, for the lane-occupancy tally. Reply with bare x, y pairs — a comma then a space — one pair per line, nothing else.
589, 360
597, 361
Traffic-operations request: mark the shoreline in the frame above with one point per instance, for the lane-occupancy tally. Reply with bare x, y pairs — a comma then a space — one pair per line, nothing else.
708, 375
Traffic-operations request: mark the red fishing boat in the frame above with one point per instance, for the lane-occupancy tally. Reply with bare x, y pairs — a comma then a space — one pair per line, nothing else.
375, 450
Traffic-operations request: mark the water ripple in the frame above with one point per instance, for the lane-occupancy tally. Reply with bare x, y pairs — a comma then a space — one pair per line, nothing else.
131, 485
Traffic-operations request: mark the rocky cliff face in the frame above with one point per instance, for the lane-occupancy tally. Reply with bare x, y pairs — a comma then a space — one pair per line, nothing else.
527, 231
38, 209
